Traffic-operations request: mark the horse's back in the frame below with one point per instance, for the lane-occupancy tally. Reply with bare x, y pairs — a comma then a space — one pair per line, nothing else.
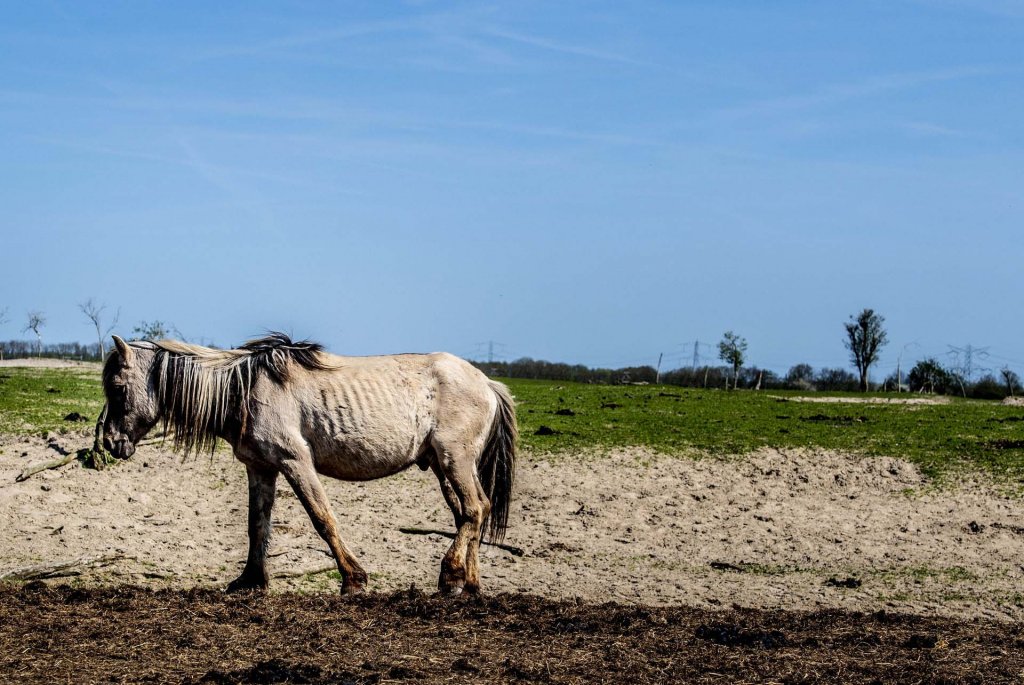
369, 417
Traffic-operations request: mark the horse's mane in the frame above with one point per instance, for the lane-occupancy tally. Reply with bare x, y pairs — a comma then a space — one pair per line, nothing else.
200, 388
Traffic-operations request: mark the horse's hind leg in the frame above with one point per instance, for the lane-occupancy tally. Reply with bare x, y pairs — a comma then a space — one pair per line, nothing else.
449, 493
262, 484
310, 491
460, 568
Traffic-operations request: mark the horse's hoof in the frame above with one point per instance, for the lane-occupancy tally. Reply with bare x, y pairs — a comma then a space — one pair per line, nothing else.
352, 589
451, 587
245, 583
452, 579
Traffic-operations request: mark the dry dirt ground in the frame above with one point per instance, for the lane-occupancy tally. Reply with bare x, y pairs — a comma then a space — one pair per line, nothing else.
776, 530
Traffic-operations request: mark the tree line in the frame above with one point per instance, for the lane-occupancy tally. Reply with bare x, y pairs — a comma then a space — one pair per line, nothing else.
926, 376
865, 338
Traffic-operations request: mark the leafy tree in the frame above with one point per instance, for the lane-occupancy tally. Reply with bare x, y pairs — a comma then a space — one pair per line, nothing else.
928, 375
155, 330
835, 379
731, 350
988, 388
94, 312
865, 337
801, 376
36, 320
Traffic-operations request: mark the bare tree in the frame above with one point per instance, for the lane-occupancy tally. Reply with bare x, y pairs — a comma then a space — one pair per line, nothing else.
1011, 379
731, 350
3, 320
94, 312
865, 337
36, 320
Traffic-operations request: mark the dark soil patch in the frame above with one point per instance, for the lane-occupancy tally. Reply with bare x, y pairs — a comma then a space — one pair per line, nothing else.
1006, 444
850, 583
126, 634
835, 420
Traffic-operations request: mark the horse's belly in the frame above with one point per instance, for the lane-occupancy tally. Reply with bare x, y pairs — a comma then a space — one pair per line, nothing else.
362, 460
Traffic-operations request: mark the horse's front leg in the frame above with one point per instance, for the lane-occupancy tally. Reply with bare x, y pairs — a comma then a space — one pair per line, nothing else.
302, 475
262, 486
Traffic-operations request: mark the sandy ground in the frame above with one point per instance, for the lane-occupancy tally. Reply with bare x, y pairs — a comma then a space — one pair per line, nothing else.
45, 363
825, 399
768, 530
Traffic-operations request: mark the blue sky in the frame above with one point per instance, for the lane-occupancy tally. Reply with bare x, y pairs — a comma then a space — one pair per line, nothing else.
578, 181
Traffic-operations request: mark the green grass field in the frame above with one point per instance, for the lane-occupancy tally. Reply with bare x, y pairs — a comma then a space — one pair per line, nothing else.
34, 401
578, 418
960, 434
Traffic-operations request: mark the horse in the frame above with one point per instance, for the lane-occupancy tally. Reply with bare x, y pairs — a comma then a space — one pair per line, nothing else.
292, 409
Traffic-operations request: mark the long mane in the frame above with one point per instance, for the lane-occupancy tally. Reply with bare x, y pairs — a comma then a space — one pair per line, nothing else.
199, 389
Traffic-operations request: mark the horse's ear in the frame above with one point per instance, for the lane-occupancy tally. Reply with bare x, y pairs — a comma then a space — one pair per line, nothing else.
123, 349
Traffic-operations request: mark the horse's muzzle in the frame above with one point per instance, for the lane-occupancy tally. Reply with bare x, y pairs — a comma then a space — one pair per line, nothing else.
121, 448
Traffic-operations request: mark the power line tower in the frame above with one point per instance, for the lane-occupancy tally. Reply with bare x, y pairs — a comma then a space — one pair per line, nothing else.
490, 346
696, 354
964, 358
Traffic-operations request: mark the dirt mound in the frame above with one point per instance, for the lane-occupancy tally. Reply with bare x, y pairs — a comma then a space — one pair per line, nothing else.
66, 634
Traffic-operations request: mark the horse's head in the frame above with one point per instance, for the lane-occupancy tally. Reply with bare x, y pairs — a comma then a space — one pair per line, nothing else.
132, 408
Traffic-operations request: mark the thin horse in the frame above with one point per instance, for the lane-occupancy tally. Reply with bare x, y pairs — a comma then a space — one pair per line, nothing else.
290, 408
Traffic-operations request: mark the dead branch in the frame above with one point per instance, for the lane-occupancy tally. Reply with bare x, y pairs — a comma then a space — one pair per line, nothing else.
46, 465
515, 551
60, 569
307, 572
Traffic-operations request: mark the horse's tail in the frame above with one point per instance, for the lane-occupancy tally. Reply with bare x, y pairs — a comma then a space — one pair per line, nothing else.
497, 465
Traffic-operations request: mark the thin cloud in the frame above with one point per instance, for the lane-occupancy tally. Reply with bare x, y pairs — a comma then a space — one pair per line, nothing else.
1000, 8
565, 48
299, 40
925, 128
844, 92
555, 132
237, 194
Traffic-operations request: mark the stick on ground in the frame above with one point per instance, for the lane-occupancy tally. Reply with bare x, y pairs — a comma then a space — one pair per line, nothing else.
59, 569
515, 551
44, 466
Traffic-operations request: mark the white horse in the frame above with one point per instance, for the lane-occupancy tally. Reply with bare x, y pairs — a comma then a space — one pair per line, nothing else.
290, 408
